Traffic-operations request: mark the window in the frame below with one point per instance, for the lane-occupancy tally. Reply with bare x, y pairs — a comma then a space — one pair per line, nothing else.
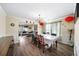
53, 28
48, 28
56, 28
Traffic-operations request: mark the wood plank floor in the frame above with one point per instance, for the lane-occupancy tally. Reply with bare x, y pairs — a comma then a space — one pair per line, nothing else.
26, 48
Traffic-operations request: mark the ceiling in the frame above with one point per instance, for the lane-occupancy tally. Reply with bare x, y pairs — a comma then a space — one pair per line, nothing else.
33, 10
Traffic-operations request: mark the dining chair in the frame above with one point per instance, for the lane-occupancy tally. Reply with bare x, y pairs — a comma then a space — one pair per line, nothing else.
43, 44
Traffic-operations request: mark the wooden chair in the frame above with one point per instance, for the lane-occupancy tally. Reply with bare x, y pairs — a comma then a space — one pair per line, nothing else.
38, 41
42, 43
34, 39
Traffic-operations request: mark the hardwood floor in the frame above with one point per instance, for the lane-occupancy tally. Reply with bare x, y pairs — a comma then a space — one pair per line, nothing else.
26, 48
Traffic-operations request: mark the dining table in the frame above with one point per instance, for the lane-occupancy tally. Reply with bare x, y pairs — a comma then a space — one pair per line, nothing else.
50, 39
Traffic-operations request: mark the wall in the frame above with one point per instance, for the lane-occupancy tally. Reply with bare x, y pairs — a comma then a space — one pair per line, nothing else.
12, 31
65, 27
31, 28
76, 37
2, 22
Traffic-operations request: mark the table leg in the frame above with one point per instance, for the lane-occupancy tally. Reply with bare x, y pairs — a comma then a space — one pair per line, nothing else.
56, 43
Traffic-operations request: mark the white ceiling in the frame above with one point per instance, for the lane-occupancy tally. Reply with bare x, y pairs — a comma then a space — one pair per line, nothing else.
32, 10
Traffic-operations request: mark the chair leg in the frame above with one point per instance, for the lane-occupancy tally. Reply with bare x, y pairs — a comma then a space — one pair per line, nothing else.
43, 49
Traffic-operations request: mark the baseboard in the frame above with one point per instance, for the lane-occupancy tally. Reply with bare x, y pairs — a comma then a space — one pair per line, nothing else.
65, 43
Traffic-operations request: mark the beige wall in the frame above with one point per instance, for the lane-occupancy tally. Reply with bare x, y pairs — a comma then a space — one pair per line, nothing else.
65, 27
31, 28
2, 22
12, 31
